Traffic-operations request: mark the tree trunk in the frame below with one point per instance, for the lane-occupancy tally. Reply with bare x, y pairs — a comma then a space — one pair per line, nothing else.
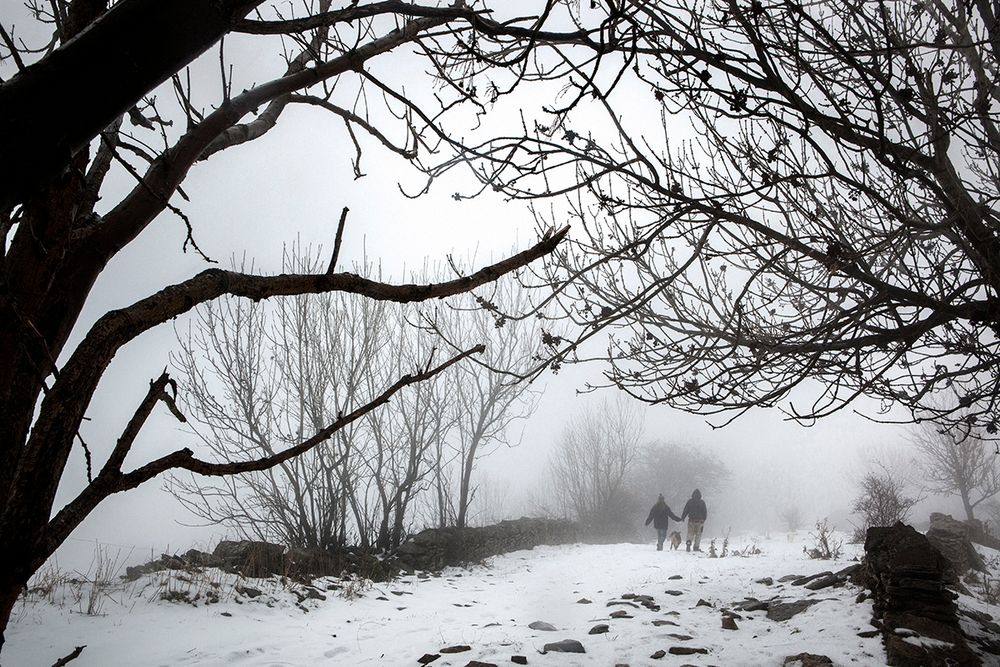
57, 106
967, 504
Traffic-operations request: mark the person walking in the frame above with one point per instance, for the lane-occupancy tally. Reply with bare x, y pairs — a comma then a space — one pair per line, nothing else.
660, 515
695, 512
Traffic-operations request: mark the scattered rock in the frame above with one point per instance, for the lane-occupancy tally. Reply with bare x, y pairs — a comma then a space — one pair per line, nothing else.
674, 577
687, 650
660, 621
680, 638
674, 593
459, 648
790, 577
583, 601
807, 660
658, 654
729, 623
802, 581
767, 581
477, 663
428, 658
599, 629
621, 613
622, 603
703, 603
868, 634
519, 659
751, 604
564, 646
782, 611
542, 625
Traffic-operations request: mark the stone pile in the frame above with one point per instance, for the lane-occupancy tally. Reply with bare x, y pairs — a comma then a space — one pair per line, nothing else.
906, 575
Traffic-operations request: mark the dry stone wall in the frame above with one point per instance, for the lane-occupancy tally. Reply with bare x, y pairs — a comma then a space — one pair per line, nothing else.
435, 548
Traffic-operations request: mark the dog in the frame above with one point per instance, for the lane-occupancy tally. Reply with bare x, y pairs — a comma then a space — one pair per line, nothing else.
675, 539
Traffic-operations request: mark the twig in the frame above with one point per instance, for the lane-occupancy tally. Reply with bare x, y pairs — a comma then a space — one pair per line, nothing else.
337, 241
72, 656
13, 49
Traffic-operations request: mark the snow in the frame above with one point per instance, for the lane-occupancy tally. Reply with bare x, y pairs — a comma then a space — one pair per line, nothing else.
487, 607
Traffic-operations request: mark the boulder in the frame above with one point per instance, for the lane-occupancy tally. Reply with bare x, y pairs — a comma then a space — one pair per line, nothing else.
906, 574
564, 646
782, 611
951, 538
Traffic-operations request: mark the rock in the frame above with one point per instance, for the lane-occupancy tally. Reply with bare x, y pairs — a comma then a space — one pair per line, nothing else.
660, 621
674, 593
542, 625
248, 591
599, 629
782, 611
951, 538
868, 634
622, 603
679, 637
251, 559
477, 663
767, 581
790, 577
802, 581
674, 577
583, 601
686, 650
428, 658
519, 659
751, 604
703, 603
729, 623
658, 654
807, 660
564, 646
460, 648
906, 574
621, 613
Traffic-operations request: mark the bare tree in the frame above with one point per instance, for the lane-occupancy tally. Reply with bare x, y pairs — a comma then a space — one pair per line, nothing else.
883, 498
590, 464
63, 131
256, 377
951, 464
792, 517
491, 396
831, 213
675, 470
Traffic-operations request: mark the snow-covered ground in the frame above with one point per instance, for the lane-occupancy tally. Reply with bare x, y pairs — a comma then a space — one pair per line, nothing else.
487, 608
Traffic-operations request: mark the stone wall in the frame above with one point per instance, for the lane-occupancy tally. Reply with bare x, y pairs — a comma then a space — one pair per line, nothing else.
435, 548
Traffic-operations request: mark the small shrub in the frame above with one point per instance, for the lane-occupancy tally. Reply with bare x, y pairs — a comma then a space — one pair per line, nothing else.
826, 547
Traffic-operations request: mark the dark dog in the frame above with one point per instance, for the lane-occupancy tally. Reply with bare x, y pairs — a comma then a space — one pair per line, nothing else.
675, 539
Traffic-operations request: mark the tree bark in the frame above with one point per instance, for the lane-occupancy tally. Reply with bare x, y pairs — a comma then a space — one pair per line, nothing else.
55, 107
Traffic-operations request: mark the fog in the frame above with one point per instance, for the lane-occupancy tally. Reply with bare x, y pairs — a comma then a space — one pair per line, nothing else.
290, 186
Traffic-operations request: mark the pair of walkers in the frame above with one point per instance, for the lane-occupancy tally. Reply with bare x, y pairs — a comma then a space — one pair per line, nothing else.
694, 511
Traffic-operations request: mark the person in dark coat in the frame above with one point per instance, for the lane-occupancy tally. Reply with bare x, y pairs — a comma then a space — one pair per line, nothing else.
696, 513
660, 515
